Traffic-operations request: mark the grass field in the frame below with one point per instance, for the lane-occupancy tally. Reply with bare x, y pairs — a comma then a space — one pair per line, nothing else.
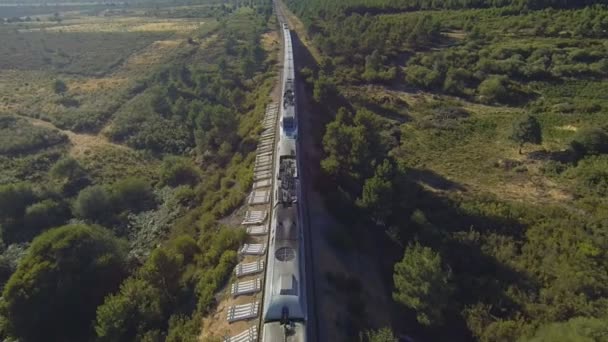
476, 152
81, 52
102, 60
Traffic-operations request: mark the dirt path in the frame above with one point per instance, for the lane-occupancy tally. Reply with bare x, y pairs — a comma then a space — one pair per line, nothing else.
81, 143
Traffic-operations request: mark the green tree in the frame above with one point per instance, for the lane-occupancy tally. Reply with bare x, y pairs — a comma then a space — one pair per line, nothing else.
494, 89
162, 270
43, 215
378, 193
59, 87
373, 64
326, 66
425, 32
351, 144
526, 130
457, 81
70, 175
133, 194
422, 284
67, 168
380, 335
423, 77
177, 171
136, 308
324, 89
248, 67
578, 329
590, 141
14, 199
94, 204
347, 148
67, 272
183, 329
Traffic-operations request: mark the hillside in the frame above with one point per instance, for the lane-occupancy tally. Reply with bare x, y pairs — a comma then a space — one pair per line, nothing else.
464, 153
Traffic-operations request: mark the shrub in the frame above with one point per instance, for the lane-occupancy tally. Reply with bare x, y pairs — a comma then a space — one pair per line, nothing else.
94, 204
57, 287
591, 141
494, 89
422, 77
59, 86
526, 130
179, 171
132, 194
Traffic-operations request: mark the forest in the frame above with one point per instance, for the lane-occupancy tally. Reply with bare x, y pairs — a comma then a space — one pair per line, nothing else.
465, 146
110, 228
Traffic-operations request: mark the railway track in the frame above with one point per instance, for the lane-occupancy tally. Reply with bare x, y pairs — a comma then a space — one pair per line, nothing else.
279, 245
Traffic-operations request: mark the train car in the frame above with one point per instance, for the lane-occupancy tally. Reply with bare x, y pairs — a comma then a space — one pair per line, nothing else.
289, 120
285, 311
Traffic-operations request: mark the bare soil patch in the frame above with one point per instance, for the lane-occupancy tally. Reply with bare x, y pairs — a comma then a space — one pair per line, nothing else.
82, 144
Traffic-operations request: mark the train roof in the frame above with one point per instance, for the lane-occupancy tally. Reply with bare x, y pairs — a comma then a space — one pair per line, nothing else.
276, 332
287, 147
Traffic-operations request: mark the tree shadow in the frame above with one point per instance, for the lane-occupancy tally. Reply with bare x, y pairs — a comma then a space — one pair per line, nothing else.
433, 180
385, 111
567, 156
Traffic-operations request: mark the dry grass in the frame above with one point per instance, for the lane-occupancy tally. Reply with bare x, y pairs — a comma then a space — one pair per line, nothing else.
121, 24
270, 40
156, 53
570, 128
92, 85
456, 34
30, 92
469, 161
21, 89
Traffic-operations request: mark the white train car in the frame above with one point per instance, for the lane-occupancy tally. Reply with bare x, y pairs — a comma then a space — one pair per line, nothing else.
289, 120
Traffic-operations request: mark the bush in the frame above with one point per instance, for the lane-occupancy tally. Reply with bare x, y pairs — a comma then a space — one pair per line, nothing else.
494, 89
183, 329
14, 199
132, 194
423, 77
70, 176
591, 176
67, 272
591, 141
177, 171
59, 86
94, 204
45, 214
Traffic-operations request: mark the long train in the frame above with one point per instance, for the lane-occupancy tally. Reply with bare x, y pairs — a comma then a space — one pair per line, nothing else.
284, 311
